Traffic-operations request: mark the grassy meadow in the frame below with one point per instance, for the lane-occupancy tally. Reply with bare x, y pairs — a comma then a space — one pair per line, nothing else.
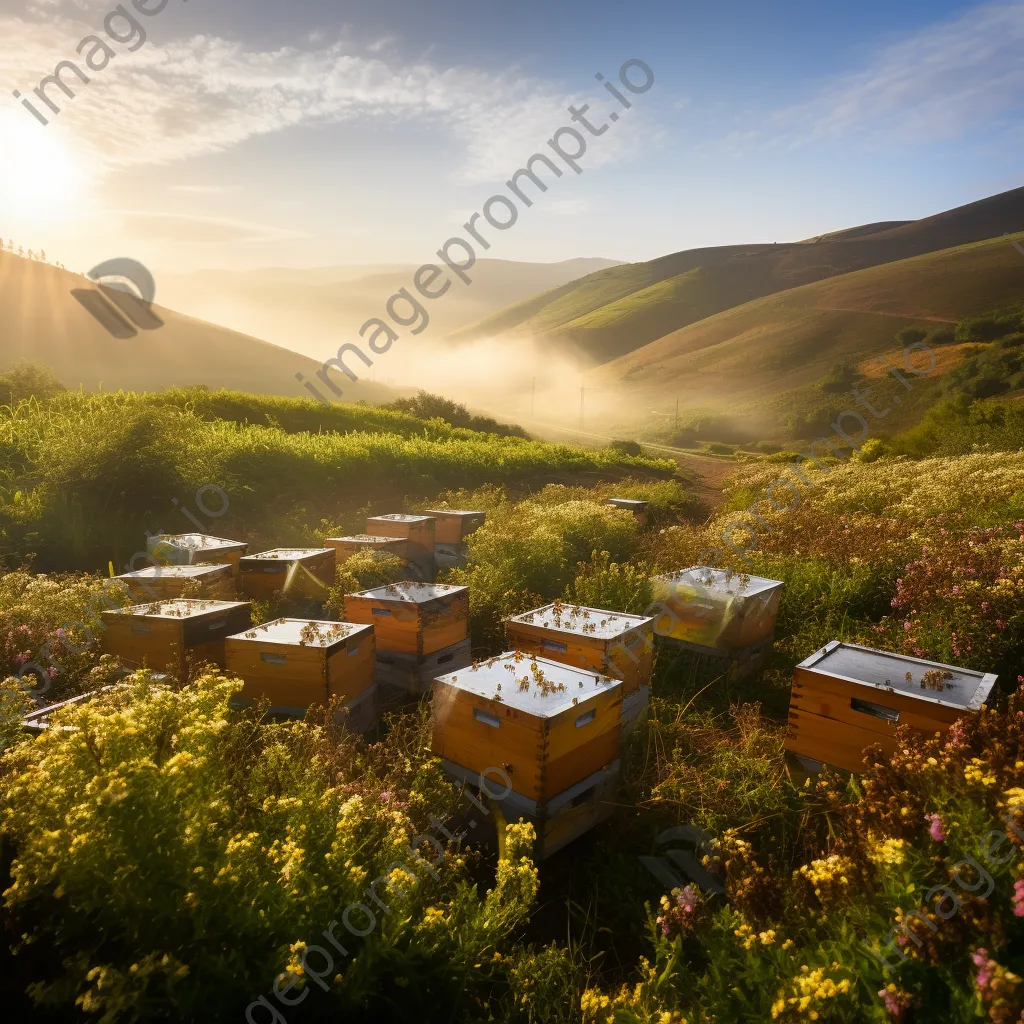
170, 857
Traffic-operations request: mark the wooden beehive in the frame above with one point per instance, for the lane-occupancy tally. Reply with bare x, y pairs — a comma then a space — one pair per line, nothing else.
638, 508
161, 582
453, 525
716, 610
412, 618
417, 530
846, 697
195, 548
163, 635
298, 572
346, 547
300, 662
612, 643
548, 726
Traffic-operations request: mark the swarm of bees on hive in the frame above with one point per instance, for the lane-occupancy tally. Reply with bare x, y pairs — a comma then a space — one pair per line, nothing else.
933, 679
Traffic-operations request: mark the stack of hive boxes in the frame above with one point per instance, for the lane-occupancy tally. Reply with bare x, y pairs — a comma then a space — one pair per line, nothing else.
720, 614
452, 527
418, 534
549, 731
615, 644
297, 663
846, 698
195, 549
298, 573
166, 635
422, 630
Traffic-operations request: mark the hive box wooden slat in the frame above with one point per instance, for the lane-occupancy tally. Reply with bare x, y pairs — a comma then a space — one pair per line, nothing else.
162, 582
638, 508
612, 643
715, 609
287, 571
162, 635
558, 729
417, 531
345, 547
195, 549
453, 526
414, 673
411, 617
563, 818
846, 698
300, 662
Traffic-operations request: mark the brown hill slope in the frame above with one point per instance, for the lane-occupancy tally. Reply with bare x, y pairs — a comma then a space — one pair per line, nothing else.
41, 321
774, 352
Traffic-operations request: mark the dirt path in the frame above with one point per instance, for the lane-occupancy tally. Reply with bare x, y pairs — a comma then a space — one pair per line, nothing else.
709, 472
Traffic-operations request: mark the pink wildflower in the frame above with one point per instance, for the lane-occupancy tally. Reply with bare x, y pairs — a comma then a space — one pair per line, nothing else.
936, 829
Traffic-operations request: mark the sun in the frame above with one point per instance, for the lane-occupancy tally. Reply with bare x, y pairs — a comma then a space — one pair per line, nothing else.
40, 178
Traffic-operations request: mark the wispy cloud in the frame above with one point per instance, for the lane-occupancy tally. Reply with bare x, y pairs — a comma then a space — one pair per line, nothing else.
188, 97
939, 84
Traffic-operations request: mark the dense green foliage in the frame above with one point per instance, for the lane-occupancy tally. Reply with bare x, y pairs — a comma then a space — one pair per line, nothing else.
169, 857
426, 406
82, 477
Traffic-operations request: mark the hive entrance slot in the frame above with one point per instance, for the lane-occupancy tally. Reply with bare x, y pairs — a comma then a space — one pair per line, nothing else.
486, 718
586, 718
875, 710
273, 659
585, 797
554, 645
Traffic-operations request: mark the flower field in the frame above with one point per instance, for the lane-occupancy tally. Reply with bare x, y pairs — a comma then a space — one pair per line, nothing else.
169, 858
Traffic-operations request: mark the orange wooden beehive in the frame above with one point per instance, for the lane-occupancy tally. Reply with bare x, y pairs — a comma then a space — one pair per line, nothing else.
417, 530
300, 662
412, 618
612, 643
299, 572
846, 698
345, 547
194, 549
164, 635
548, 726
454, 525
161, 582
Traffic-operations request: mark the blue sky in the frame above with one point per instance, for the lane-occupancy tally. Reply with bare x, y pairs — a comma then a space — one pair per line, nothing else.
252, 132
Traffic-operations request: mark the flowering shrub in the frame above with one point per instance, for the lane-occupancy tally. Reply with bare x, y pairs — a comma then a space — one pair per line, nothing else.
52, 624
171, 855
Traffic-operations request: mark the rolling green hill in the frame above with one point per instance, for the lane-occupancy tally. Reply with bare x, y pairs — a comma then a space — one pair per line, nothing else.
774, 354
618, 310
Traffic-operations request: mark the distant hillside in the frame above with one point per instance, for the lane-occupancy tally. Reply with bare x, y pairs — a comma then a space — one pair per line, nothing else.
774, 352
618, 310
42, 322
313, 310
